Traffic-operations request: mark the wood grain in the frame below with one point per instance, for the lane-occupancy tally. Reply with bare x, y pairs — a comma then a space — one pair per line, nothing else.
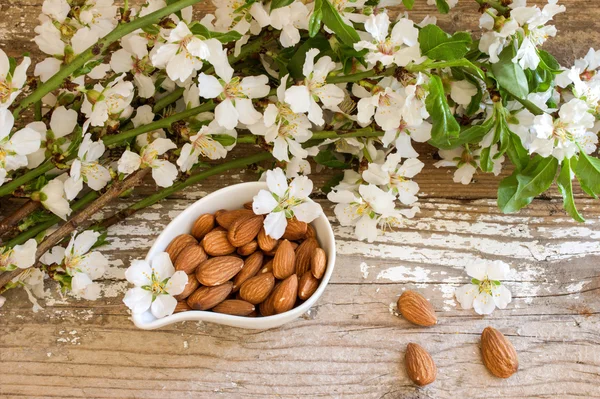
351, 344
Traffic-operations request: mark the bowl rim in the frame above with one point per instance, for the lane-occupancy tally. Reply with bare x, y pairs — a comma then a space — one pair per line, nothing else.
231, 320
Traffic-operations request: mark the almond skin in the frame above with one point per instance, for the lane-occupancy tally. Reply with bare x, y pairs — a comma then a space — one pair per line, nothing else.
244, 230
181, 306
191, 286
265, 242
256, 289
178, 244
216, 271
203, 225
190, 258
284, 260
226, 218
252, 265
416, 309
216, 243
310, 232
267, 268
248, 249
419, 365
284, 296
304, 254
295, 230
318, 263
205, 298
266, 307
307, 286
248, 205
234, 307
499, 354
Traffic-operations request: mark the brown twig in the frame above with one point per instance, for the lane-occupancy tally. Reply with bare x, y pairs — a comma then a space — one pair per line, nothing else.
82, 219
9, 222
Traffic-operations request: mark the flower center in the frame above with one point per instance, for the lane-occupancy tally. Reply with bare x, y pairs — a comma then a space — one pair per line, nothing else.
5, 91
386, 47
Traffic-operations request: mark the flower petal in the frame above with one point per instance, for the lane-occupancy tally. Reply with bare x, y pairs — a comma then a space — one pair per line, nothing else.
465, 295
162, 266
176, 283
163, 305
138, 300
275, 224
484, 303
139, 273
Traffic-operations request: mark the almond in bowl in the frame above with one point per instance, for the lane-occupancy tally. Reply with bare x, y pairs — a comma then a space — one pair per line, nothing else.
237, 274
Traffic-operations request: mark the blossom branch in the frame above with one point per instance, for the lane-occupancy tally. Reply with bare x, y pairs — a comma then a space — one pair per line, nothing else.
58, 79
80, 220
9, 223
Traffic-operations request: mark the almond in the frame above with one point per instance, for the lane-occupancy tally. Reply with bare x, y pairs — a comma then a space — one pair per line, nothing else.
216, 243
234, 307
190, 258
307, 286
178, 244
248, 249
310, 232
416, 309
267, 268
499, 355
266, 242
295, 230
216, 271
419, 365
318, 263
304, 254
203, 225
225, 219
252, 265
244, 230
191, 286
248, 205
284, 261
266, 308
284, 296
205, 298
181, 306
256, 289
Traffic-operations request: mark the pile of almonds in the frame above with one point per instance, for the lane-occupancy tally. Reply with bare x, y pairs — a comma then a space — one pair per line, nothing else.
499, 355
235, 268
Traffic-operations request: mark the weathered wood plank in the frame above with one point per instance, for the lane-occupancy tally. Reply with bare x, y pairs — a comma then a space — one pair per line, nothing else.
351, 344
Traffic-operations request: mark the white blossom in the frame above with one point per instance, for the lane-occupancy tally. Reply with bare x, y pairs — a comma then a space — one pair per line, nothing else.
155, 284
384, 101
101, 103
401, 47
236, 97
290, 20
485, 292
133, 58
79, 263
11, 82
301, 98
396, 176
163, 171
282, 201
15, 147
53, 198
203, 144
86, 168
20, 256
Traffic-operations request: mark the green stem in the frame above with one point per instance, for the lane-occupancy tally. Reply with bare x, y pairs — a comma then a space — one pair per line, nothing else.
34, 231
161, 124
164, 193
37, 111
14, 184
168, 100
322, 135
534, 109
58, 79
355, 77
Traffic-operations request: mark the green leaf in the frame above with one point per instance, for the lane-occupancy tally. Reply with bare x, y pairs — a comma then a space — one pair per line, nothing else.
519, 189
445, 127
87, 68
442, 6
485, 161
587, 171
408, 4
565, 186
225, 139
297, 61
314, 23
275, 4
328, 158
346, 33
517, 153
331, 183
227, 37
549, 62
510, 75
438, 45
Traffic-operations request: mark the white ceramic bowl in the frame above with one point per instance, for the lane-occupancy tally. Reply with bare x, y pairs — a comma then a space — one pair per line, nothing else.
233, 197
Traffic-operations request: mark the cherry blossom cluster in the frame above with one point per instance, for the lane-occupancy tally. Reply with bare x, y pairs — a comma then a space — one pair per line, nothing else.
343, 85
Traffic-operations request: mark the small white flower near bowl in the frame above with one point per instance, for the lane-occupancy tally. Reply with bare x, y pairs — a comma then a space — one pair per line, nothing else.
230, 198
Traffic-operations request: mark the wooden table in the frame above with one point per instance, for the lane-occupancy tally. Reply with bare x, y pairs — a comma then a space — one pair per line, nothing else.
351, 344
